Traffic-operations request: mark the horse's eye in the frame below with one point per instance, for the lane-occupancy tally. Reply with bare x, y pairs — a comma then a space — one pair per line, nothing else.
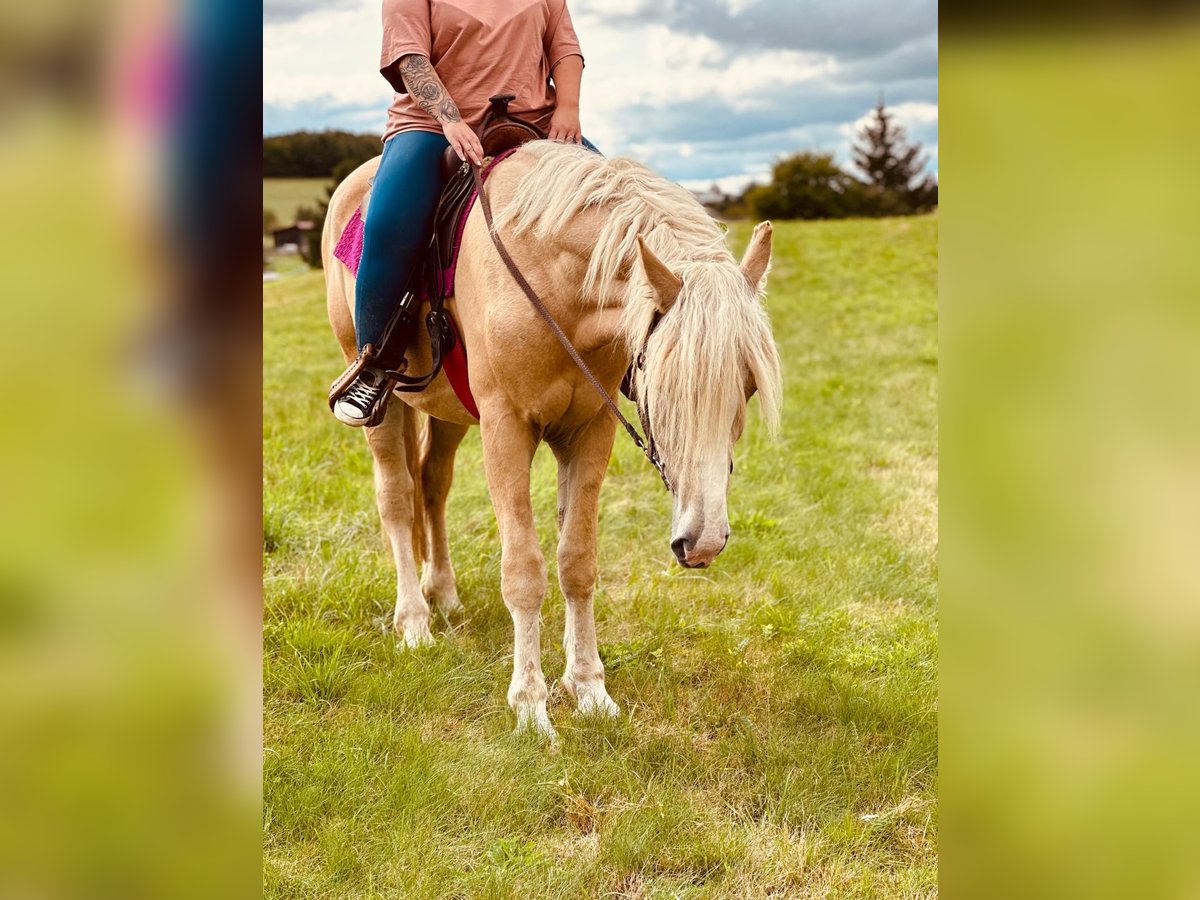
731, 465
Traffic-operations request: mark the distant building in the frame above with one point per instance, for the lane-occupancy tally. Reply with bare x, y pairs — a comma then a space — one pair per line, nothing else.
712, 198
294, 238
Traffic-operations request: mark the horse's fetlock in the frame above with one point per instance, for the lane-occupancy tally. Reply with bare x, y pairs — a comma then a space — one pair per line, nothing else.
525, 691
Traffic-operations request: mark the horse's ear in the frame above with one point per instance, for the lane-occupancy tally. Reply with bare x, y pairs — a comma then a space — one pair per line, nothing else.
665, 283
757, 259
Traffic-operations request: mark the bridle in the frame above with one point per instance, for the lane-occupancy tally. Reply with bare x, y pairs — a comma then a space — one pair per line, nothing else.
631, 388
647, 446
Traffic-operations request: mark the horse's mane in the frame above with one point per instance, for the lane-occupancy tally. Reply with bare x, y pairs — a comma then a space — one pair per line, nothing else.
567, 179
716, 333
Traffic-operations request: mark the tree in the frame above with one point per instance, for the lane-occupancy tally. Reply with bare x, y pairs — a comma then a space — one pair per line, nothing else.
893, 167
807, 186
312, 250
314, 154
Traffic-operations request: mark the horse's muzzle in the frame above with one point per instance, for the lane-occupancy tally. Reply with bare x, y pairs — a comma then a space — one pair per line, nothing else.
692, 557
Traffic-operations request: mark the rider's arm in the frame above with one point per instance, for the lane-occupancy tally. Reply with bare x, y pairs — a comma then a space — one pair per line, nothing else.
564, 124
427, 89
567, 76
565, 59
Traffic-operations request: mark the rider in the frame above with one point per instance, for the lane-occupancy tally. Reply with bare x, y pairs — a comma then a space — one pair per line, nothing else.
444, 61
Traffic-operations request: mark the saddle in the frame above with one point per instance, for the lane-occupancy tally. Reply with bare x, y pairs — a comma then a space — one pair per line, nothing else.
500, 132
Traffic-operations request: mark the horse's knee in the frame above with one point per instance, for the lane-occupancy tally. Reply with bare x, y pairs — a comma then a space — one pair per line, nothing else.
576, 570
577, 583
394, 493
523, 581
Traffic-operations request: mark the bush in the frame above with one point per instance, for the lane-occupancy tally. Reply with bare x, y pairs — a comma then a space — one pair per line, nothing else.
811, 185
808, 186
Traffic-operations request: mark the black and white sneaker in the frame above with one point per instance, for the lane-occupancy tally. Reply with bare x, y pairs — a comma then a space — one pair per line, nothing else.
364, 402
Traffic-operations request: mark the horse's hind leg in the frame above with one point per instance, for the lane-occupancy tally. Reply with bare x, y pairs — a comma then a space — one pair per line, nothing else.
394, 448
437, 472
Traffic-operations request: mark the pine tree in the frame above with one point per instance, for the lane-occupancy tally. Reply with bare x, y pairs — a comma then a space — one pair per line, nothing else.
892, 166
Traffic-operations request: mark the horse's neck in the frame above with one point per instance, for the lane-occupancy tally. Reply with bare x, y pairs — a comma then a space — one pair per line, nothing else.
594, 320
575, 244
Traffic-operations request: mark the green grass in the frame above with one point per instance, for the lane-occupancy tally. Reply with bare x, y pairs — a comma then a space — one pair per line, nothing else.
288, 265
778, 733
283, 196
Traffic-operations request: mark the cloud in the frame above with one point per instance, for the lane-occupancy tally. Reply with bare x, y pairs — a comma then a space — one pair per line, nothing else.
854, 28
915, 118
290, 10
332, 53
701, 90
917, 59
317, 113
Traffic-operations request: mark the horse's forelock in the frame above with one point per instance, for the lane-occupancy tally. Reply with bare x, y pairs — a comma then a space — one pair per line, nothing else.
705, 352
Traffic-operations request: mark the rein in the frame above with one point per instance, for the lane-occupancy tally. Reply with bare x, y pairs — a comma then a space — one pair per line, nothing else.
648, 449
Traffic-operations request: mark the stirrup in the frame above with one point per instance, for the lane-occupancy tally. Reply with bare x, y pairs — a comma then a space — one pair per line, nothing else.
366, 357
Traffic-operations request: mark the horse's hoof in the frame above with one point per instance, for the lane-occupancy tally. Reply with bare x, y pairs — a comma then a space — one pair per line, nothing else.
444, 599
598, 704
450, 607
416, 636
591, 698
533, 718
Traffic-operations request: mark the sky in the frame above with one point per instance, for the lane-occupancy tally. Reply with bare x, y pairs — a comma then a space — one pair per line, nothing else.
702, 91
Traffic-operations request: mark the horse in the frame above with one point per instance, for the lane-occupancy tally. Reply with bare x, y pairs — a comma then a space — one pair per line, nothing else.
630, 265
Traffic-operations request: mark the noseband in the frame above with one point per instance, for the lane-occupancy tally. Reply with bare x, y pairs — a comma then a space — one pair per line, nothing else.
646, 446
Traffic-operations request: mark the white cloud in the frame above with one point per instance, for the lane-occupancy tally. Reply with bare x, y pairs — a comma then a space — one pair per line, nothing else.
696, 102
737, 7
728, 184
330, 53
908, 115
674, 68
672, 50
291, 10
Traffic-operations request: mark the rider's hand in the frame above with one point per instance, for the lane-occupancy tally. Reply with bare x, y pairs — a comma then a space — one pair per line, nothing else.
464, 141
564, 125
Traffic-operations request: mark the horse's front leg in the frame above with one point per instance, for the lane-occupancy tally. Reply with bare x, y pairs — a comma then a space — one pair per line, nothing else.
582, 465
508, 448
437, 472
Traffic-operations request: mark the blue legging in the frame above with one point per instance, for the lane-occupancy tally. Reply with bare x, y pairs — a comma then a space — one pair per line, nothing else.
400, 212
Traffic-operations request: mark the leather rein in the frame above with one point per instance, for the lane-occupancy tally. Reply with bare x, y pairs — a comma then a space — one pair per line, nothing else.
646, 446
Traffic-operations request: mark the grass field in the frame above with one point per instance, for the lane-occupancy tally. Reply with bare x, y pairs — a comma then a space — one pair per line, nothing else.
283, 196
778, 735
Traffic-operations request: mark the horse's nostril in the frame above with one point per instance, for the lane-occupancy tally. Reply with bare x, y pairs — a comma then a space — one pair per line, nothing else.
680, 547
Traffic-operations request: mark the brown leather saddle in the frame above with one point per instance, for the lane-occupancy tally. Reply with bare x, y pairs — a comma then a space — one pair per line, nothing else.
501, 131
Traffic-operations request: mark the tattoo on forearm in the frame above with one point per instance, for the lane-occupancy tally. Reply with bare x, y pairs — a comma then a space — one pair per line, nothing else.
427, 89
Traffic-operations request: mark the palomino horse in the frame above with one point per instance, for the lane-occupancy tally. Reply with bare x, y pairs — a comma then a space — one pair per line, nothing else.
610, 247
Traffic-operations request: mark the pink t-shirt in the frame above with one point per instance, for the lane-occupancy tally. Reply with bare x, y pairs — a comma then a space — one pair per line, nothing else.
479, 48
